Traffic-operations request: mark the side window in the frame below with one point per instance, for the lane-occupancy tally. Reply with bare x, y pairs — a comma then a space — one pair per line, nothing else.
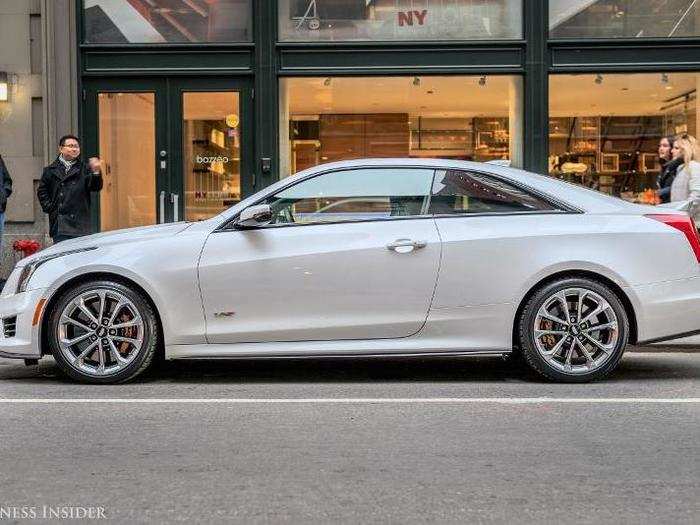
355, 195
458, 192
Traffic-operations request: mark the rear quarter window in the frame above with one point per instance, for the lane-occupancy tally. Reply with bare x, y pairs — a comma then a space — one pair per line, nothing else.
457, 192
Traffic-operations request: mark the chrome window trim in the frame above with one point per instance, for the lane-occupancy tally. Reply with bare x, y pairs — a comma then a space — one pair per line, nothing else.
564, 208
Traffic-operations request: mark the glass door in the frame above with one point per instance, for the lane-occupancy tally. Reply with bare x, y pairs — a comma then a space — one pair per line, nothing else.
210, 168
125, 126
173, 148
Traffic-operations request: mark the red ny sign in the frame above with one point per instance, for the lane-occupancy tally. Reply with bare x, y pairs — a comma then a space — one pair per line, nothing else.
406, 17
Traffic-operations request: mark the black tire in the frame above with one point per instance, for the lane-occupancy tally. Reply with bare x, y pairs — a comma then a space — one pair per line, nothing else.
526, 324
142, 360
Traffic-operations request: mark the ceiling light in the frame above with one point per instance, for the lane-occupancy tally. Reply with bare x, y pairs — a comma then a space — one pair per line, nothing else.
598, 79
416, 81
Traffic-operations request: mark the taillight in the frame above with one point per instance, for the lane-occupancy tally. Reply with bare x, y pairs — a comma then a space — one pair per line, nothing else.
683, 223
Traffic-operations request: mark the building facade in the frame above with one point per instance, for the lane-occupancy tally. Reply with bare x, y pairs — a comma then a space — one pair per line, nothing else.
194, 104
38, 67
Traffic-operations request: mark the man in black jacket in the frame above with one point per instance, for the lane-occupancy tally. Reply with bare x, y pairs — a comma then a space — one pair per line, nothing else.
64, 191
5, 192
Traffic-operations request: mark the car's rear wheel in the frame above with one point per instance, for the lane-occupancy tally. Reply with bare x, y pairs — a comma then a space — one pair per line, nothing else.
102, 332
573, 330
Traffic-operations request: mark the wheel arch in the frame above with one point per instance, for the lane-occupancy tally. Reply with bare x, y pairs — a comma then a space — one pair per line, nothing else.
95, 276
615, 287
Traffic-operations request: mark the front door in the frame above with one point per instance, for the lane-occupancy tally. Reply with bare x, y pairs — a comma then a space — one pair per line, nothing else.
172, 148
349, 255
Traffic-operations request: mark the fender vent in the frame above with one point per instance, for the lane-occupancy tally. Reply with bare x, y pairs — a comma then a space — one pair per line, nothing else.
9, 326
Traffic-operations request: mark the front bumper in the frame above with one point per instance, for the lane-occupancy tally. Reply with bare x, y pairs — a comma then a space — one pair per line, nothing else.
24, 344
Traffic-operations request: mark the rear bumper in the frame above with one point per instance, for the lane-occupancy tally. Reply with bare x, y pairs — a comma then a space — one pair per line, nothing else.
667, 310
24, 344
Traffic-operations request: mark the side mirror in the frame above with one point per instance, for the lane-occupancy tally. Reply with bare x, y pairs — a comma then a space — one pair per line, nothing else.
254, 217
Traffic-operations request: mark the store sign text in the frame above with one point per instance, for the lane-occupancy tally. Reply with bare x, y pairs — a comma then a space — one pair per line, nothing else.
209, 160
406, 17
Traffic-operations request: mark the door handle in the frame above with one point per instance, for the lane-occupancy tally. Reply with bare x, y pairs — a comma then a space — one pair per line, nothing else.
175, 199
405, 245
161, 211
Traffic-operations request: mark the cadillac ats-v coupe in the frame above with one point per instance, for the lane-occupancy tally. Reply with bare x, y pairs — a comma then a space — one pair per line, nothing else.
374, 257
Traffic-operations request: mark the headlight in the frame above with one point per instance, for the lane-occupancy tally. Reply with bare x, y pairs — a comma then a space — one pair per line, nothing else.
29, 269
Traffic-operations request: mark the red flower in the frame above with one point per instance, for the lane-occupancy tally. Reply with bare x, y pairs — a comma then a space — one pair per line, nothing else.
26, 246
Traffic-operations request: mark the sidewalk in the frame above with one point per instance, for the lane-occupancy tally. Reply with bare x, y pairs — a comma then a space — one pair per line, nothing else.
684, 349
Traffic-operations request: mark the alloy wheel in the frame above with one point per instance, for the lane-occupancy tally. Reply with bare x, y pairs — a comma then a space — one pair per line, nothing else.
576, 330
100, 332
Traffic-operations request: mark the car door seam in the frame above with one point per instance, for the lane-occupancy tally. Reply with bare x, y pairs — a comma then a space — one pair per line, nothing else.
199, 287
437, 277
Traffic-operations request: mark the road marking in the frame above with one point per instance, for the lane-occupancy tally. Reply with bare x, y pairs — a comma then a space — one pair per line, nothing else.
363, 400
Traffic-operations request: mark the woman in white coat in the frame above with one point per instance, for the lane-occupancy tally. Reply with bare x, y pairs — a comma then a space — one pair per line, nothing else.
686, 185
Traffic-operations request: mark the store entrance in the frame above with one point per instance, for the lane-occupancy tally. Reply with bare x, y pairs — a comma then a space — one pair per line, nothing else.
173, 149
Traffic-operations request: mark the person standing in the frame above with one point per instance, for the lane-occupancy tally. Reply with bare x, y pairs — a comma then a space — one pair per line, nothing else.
669, 168
5, 192
686, 185
64, 191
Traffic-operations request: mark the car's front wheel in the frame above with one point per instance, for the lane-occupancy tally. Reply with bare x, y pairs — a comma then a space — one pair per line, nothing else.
102, 332
573, 330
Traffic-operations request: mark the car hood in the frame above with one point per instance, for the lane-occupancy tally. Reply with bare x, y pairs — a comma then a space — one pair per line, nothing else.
128, 235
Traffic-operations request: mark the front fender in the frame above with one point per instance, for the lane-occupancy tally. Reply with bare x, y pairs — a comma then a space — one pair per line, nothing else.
165, 270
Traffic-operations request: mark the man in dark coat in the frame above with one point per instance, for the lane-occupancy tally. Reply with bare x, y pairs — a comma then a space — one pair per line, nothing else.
5, 192
64, 191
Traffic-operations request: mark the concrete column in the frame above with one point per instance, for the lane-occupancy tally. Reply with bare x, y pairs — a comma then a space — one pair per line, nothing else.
284, 146
61, 72
515, 121
43, 106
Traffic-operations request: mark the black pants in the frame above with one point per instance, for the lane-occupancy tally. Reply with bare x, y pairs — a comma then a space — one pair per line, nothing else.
59, 238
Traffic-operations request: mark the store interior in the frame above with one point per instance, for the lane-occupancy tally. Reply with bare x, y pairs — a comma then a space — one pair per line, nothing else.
340, 118
604, 129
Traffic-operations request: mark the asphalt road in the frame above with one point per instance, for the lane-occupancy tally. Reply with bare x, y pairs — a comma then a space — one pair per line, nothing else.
505, 459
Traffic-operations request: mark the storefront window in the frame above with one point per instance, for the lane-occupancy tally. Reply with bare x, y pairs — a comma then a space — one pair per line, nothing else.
211, 147
458, 117
127, 143
604, 129
163, 21
321, 20
623, 18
